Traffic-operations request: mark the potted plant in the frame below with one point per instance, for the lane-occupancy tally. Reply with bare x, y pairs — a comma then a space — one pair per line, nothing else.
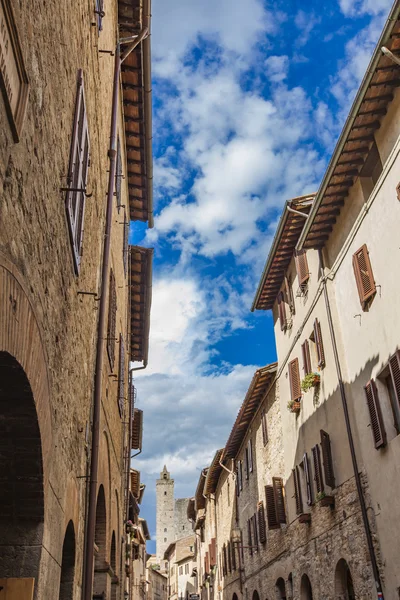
309, 381
325, 500
129, 526
294, 406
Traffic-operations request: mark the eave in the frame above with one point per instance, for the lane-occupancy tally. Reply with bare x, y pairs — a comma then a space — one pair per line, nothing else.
282, 249
213, 473
369, 107
140, 290
200, 501
259, 386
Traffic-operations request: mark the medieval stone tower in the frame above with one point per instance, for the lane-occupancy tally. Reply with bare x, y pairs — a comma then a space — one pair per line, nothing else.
172, 522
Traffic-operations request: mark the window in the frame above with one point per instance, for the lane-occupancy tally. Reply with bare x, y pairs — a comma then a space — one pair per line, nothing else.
289, 295
229, 557
303, 274
319, 344
282, 311
190, 548
389, 380
250, 455
213, 552
165, 539
275, 497
262, 530
181, 570
228, 493
165, 529
186, 568
327, 459
246, 462
371, 171
249, 536
305, 350
112, 320
305, 465
121, 378
364, 277
297, 490
99, 10
165, 493
77, 174
255, 531
264, 426
319, 482
294, 380
240, 475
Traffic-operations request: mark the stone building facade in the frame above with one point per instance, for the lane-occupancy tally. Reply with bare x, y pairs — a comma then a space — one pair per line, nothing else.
172, 522
74, 297
157, 583
315, 443
180, 556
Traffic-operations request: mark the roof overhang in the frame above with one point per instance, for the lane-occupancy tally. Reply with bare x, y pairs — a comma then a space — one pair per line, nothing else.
199, 521
355, 142
145, 528
214, 471
135, 483
133, 16
191, 510
137, 429
168, 551
284, 243
140, 282
259, 386
200, 501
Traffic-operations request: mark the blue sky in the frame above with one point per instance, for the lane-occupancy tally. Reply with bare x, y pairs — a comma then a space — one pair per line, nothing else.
249, 99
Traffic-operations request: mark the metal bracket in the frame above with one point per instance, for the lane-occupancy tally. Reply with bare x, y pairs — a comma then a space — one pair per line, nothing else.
94, 294
110, 52
68, 189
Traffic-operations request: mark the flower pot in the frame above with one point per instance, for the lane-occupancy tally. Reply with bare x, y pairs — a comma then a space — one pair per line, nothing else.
328, 501
316, 380
305, 518
295, 408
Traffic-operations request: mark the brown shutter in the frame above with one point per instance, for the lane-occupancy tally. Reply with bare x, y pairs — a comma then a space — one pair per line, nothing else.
271, 507
118, 174
394, 366
213, 552
137, 429
99, 14
302, 267
305, 351
121, 378
279, 492
317, 469
289, 295
125, 244
229, 557
363, 274
306, 466
240, 475
262, 530
225, 565
319, 343
282, 311
297, 491
233, 546
249, 538
327, 458
250, 447
246, 462
264, 427
294, 379
112, 320
255, 530
374, 407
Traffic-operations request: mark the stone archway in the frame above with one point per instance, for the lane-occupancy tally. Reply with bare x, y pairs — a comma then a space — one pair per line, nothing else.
256, 595
68, 564
280, 589
101, 567
344, 589
305, 588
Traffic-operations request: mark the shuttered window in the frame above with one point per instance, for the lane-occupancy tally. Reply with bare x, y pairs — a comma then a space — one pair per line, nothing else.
327, 459
305, 351
264, 426
77, 174
273, 522
112, 320
279, 492
206, 563
319, 343
213, 552
319, 482
302, 267
262, 529
237, 481
255, 532
240, 475
364, 276
289, 295
118, 174
282, 311
224, 562
297, 491
306, 466
246, 462
294, 379
249, 537
233, 546
125, 244
137, 429
229, 557
250, 454
121, 375
394, 366
99, 10
374, 407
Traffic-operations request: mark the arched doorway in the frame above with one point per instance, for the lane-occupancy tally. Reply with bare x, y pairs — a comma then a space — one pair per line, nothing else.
290, 586
280, 589
255, 595
113, 564
344, 589
100, 580
21, 474
68, 564
305, 588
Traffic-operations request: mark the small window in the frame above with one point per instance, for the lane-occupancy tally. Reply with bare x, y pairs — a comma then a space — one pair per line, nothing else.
250, 455
165, 529
282, 311
165, 539
389, 378
264, 426
246, 462
305, 350
319, 344
364, 277
294, 380
371, 171
112, 320
180, 570
303, 274
100, 14
165, 493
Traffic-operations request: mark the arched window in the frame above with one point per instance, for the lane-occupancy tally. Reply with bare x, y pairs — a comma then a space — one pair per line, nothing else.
255, 595
165, 529
280, 589
68, 564
100, 539
113, 565
290, 586
344, 589
305, 588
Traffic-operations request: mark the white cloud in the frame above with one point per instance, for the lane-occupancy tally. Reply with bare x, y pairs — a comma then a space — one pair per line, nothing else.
277, 68
356, 8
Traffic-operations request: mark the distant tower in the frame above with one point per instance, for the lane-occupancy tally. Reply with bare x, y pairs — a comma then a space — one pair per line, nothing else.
165, 514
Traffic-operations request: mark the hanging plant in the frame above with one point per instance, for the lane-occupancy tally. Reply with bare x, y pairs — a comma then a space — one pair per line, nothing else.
294, 406
309, 381
129, 527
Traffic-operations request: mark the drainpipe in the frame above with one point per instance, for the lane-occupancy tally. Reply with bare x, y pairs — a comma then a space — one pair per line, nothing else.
101, 327
350, 436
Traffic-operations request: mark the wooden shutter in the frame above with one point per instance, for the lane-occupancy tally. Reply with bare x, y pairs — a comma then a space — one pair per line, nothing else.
224, 563
363, 274
305, 350
319, 343
394, 366
272, 519
307, 474
279, 492
327, 458
250, 453
264, 425
319, 482
237, 481
249, 537
118, 174
207, 560
213, 552
233, 546
282, 311
112, 320
229, 557
262, 529
294, 379
297, 491
246, 462
240, 476
374, 407
302, 266
289, 295
255, 531
121, 377
125, 244
99, 14
77, 174
137, 429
